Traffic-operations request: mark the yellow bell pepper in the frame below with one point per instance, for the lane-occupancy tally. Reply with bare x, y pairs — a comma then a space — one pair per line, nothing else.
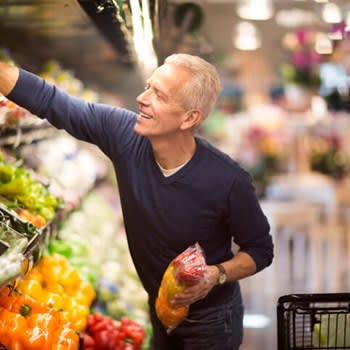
29, 325
57, 284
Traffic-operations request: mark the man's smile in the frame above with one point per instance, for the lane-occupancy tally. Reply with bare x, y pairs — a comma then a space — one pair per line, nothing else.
146, 116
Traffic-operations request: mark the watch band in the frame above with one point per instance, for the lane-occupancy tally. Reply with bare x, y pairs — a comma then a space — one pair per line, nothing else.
221, 268
222, 274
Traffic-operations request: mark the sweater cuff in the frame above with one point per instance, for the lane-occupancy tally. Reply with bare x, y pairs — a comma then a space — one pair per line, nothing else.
25, 89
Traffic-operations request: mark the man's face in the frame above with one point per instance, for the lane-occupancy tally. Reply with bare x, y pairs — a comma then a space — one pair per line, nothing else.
160, 105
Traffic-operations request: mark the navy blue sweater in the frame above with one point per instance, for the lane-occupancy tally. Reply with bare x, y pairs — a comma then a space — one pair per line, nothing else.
210, 200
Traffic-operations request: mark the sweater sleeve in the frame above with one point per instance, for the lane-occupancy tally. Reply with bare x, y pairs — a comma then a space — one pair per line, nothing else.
91, 122
248, 224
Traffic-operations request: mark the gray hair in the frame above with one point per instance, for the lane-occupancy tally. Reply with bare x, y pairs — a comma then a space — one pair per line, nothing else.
203, 89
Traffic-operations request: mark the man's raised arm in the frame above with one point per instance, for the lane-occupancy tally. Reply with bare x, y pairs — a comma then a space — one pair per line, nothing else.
8, 77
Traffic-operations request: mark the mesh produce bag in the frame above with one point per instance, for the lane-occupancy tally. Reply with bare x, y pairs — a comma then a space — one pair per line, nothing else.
187, 269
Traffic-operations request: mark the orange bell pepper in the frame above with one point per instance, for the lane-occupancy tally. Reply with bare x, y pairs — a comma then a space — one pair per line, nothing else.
41, 328
16, 345
36, 339
23, 304
12, 329
65, 339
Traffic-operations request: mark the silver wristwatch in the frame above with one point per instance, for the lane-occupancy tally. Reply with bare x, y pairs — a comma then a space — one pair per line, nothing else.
222, 274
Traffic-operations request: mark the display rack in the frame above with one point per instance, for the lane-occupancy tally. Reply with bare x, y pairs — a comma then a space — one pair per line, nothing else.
15, 137
37, 239
106, 14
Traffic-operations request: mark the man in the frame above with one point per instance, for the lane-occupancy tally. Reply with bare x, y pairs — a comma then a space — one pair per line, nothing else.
175, 188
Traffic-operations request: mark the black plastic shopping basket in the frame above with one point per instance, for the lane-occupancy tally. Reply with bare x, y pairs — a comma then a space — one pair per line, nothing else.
313, 321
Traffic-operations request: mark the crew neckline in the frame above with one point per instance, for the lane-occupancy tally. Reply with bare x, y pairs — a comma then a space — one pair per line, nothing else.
169, 172
180, 172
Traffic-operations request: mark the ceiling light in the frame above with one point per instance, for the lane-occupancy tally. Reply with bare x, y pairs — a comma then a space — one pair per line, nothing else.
143, 37
294, 18
246, 37
323, 45
331, 13
258, 10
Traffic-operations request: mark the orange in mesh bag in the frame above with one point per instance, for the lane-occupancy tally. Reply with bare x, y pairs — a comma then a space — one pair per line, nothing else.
187, 269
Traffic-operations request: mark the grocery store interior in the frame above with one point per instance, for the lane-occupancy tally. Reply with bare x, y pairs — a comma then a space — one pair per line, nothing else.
283, 114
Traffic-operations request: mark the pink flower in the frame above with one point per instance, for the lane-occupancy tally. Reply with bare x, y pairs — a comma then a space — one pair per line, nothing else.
301, 59
302, 36
256, 133
315, 58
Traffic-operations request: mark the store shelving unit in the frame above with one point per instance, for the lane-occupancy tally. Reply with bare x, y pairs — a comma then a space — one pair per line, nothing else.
112, 20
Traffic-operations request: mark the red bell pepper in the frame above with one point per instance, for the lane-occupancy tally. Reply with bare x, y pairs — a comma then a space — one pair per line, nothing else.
104, 334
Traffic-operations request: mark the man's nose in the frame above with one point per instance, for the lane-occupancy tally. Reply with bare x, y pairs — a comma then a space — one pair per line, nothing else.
142, 98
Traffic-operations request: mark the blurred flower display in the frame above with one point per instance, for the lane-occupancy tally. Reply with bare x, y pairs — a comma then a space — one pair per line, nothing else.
263, 154
304, 66
326, 156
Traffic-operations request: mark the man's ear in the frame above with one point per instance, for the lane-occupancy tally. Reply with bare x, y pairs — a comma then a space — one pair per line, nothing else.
193, 118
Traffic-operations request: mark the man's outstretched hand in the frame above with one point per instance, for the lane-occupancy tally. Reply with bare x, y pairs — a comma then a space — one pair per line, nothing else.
8, 77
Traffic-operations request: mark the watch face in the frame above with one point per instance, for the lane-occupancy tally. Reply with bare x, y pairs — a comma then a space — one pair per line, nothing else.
222, 278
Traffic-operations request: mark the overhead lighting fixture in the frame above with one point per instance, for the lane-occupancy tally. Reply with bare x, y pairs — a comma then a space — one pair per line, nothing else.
295, 17
143, 37
256, 10
246, 37
321, 1
323, 44
331, 13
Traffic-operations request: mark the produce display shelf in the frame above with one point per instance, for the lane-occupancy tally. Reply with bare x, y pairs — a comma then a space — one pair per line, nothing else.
18, 136
37, 240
